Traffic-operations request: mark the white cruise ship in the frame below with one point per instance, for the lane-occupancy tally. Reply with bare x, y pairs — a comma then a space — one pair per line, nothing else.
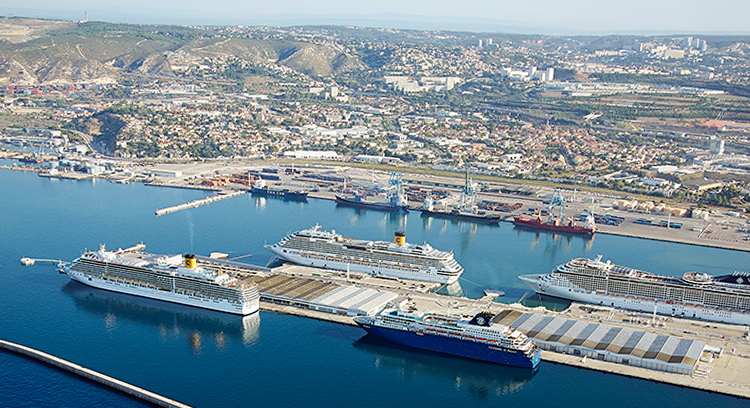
723, 298
172, 278
323, 249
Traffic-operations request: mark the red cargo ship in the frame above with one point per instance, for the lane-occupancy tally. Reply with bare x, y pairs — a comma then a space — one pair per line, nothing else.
556, 225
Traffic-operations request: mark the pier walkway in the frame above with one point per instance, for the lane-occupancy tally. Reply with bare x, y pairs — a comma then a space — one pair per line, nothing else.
92, 375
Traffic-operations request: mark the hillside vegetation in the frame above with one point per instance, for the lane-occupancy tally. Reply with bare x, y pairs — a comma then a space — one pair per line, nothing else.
36, 53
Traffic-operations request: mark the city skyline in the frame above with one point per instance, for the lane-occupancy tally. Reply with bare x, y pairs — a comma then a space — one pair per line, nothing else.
544, 17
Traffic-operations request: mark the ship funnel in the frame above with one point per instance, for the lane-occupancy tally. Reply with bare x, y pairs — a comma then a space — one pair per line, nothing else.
190, 261
400, 238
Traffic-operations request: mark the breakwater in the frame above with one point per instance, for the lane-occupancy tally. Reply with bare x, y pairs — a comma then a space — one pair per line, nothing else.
198, 203
92, 375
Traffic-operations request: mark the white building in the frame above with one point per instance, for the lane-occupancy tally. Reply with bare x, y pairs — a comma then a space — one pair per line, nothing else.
313, 154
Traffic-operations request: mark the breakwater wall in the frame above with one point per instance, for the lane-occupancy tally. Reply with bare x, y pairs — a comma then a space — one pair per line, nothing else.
121, 386
198, 203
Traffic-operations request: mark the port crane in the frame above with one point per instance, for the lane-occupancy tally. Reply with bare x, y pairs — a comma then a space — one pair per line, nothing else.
469, 192
395, 190
557, 201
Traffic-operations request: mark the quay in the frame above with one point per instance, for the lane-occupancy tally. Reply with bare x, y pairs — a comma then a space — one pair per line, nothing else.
688, 353
719, 231
197, 203
121, 386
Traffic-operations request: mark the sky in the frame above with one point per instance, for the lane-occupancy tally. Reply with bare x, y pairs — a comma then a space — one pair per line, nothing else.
563, 17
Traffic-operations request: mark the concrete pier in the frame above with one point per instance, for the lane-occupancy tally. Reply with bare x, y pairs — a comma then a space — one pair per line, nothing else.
197, 203
92, 375
725, 374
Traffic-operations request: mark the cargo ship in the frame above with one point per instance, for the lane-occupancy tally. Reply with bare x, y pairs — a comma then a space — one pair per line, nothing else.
457, 214
324, 249
172, 278
479, 337
557, 223
395, 198
724, 299
358, 202
260, 188
589, 228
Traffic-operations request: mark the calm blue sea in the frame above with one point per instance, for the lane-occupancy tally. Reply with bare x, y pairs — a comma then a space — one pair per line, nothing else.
210, 359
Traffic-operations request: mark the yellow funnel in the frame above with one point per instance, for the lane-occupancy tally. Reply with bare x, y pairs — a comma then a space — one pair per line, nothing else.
400, 238
190, 261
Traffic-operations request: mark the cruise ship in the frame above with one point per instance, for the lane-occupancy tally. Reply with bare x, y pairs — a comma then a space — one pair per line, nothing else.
724, 299
323, 249
172, 278
479, 338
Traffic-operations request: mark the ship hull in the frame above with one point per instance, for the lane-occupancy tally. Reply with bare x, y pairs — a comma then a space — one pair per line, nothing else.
537, 224
370, 206
289, 195
454, 346
421, 275
463, 217
152, 293
638, 303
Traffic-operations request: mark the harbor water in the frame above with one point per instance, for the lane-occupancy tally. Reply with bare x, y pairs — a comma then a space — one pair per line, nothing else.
210, 359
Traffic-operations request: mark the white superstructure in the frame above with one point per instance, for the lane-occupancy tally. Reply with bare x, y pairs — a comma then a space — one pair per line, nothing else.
696, 295
323, 249
170, 278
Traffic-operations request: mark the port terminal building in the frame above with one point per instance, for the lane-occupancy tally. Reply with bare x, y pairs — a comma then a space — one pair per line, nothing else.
323, 296
602, 342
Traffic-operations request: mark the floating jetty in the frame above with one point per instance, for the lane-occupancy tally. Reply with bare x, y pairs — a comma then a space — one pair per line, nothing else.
121, 386
197, 203
26, 261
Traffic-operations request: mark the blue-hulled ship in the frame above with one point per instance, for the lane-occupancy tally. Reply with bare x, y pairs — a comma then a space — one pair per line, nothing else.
479, 338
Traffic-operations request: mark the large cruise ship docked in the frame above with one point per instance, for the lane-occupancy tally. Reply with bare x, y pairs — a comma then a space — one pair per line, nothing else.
323, 249
172, 278
723, 299
479, 338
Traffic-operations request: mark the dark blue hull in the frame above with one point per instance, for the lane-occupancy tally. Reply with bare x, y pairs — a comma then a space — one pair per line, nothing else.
463, 216
458, 347
289, 195
370, 206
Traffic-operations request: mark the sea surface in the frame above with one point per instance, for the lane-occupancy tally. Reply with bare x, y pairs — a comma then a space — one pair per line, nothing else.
211, 359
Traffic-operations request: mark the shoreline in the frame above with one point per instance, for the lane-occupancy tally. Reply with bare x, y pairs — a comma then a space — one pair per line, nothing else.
652, 238
654, 234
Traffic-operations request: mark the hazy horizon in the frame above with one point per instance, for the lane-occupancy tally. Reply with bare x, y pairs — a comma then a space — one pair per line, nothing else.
572, 17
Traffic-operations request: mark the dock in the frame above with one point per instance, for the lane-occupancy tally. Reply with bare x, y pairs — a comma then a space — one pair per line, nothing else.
89, 374
26, 261
198, 203
695, 354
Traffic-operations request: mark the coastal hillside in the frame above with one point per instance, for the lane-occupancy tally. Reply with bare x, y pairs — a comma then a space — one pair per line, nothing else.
45, 52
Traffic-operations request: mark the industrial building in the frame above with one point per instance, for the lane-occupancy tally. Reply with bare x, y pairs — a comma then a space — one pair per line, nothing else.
614, 344
322, 296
